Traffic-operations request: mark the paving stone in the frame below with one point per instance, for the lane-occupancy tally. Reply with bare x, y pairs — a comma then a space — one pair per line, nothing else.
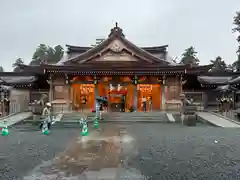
156, 151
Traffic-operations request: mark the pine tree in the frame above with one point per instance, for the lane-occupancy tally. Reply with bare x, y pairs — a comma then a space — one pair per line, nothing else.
236, 29
189, 57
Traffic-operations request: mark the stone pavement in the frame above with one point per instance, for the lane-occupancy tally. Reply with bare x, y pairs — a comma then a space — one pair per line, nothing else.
97, 156
14, 118
123, 151
217, 120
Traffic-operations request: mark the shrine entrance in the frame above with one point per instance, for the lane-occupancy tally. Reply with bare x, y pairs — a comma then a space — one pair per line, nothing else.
120, 96
152, 93
119, 91
82, 95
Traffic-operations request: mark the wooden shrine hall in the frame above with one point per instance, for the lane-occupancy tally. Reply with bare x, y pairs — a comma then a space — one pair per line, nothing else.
116, 69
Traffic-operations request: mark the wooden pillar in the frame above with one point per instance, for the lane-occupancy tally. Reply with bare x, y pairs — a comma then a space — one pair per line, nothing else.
2, 103
205, 101
233, 98
50, 82
69, 104
135, 96
68, 92
181, 88
164, 93
95, 95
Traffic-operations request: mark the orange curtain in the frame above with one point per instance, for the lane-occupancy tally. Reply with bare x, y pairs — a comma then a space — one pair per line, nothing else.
102, 91
77, 94
140, 94
129, 97
156, 95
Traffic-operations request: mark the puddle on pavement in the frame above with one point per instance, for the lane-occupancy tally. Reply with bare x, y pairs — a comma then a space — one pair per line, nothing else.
94, 156
89, 155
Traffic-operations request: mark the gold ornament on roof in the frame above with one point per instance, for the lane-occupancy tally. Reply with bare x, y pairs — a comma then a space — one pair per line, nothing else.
116, 47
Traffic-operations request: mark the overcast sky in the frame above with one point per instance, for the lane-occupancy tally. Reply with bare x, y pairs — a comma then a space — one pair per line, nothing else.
205, 24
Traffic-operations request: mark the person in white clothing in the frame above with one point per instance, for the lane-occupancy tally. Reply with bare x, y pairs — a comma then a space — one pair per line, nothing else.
46, 115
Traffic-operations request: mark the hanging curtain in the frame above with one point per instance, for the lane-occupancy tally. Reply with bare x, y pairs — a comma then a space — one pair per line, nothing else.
76, 93
139, 96
129, 97
100, 90
156, 95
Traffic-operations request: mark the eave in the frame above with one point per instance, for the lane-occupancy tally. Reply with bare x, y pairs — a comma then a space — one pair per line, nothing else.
18, 73
150, 49
89, 69
214, 80
17, 79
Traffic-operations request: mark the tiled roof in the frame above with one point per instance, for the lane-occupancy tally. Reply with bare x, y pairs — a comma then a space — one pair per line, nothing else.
116, 33
17, 79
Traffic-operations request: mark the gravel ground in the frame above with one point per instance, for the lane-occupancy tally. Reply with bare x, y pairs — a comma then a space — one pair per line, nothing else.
158, 151
171, 151
21, 151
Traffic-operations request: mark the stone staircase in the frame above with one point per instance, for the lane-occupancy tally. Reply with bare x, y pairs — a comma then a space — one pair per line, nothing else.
136, 117
24, 126
71, 120
76, 116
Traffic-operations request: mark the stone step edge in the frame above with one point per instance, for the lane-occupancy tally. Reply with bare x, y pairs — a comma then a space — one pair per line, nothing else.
120, 121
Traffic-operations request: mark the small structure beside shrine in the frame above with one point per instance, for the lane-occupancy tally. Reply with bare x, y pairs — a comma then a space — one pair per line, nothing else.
17, 90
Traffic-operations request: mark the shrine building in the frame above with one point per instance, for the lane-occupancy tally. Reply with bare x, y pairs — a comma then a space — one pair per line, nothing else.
113, 69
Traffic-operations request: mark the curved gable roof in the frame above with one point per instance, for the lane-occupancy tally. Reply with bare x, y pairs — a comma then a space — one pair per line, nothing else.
115, 34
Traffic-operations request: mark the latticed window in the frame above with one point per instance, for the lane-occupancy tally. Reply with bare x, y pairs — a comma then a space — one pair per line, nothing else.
174, 88
60, 92
173, 92
4, 95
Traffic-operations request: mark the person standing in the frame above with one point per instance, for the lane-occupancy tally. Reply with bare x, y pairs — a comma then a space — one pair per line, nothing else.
83, 103
46, 115
150, 104
122, 103
144, 104
105, 104
97, 108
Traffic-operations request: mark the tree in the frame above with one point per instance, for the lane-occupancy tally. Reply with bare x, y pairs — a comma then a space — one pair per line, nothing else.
219, 64
39, 55
1, 69
189, 56
236, 29
16, 64
47, 54
55, 54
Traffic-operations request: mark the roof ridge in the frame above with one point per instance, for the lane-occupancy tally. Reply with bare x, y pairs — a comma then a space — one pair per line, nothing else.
89, 50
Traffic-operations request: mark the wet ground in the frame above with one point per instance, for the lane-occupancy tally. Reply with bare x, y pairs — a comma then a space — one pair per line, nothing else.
123, 151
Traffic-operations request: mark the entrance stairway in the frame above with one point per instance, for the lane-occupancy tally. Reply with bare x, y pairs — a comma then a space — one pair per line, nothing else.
71, 120
136, 117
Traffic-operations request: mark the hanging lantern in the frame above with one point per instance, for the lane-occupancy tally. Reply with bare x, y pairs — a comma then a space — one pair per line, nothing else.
135, 80
95, 80
164, 80
66, 79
